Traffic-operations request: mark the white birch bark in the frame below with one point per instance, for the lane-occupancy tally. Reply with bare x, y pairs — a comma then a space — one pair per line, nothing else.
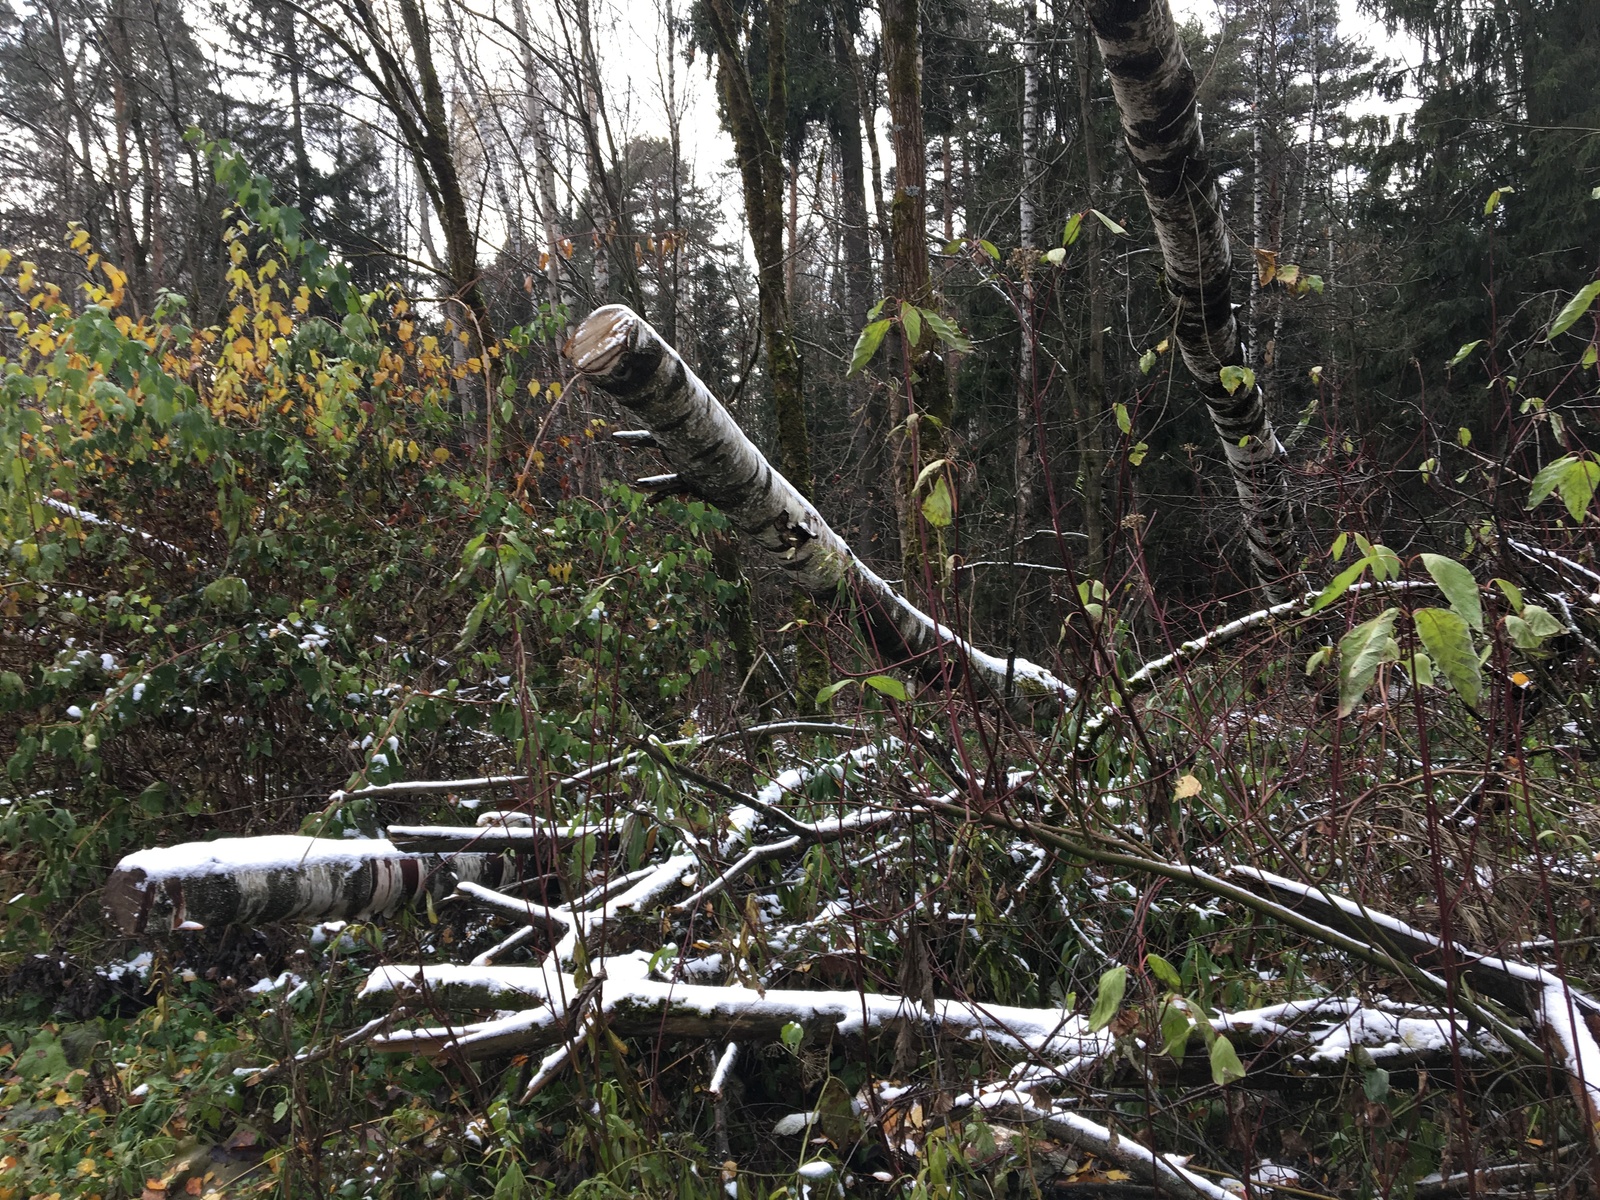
257, 880
1155, 93
619, 353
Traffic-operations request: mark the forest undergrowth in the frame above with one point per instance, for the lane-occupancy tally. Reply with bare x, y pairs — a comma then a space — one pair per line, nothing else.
901, 937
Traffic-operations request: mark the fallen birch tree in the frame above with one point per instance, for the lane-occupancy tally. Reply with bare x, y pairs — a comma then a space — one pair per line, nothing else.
620, 354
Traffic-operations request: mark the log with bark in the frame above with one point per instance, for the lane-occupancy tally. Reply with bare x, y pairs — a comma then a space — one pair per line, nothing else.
619, 353
259, 880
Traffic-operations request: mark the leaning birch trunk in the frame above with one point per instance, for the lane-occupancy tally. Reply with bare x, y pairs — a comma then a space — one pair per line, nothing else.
241, 881
1155, 93
619, 353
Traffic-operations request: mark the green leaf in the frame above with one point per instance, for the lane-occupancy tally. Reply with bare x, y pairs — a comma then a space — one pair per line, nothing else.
512, 1184
1547, 480
1124, 421
1175, 1030
1109, 223
1360, 652
867, 345
1521, 634
474, 620
1542, 621
947, 333
1318, 659
1449, 644
1057, 256
953, 246
1461, 354
989, 249
1512, 592
1578, 487
1074, 226
1108, 1001
876, 310
911, 318
1575, 308
1340, 584
1493, 202
1385, 564
1422, 670
938, 504
1137, 454
1225, 1064
792, 1035
229, 594
888, 685
1591, 355
1339, 543
1164, 971
829, 691
1376, 1085
1147, 362
1458, 586
1233, 378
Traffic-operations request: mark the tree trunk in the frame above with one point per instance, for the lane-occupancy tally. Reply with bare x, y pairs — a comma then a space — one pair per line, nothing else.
757, 139
922, 440
1092, 398
1155, 94
620, 354
245, 881
1025, 465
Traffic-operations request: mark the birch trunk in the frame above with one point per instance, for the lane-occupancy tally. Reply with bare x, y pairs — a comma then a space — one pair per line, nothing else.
247, 881
1155, 93
624, 357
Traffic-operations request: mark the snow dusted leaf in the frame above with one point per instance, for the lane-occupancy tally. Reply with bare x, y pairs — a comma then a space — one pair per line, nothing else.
1188, 788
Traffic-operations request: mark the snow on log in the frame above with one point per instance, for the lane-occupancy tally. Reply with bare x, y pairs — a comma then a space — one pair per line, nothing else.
635, 1005
1568, 1015
279, 878
1167, 1173
454, 839
622, 355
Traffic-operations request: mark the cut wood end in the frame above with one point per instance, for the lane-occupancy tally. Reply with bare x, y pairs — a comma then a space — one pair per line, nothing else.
605, 333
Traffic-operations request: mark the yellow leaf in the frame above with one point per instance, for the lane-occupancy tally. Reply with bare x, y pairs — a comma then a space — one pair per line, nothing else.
86, 1167
1266, 266
1188, 787
441, 455
62, 1098
1117, 1176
